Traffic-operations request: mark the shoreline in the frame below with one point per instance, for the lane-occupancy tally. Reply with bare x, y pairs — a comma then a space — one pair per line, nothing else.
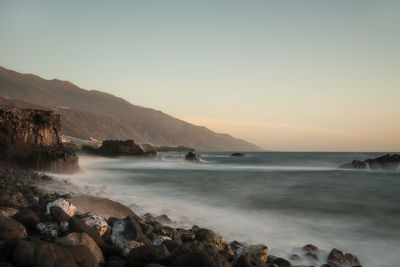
162, 239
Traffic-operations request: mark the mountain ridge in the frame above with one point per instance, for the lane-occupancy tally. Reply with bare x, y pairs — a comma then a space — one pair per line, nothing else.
92, 113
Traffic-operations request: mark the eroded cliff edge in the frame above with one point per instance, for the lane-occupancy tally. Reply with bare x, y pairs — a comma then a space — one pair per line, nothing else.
30, 138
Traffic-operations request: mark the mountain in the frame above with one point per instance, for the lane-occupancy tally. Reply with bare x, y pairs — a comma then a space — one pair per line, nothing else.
89, 114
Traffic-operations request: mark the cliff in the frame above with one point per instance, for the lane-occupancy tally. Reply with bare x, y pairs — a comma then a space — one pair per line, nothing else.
30, 138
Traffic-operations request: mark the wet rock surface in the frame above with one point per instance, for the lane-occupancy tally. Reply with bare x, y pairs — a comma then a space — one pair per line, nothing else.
190, 156
385, 162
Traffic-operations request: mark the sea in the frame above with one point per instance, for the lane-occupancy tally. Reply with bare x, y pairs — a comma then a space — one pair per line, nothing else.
284, 200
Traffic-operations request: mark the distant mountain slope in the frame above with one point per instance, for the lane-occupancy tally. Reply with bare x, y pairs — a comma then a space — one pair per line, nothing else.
102, 116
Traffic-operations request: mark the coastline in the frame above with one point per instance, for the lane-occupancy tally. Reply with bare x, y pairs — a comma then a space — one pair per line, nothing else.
167, 245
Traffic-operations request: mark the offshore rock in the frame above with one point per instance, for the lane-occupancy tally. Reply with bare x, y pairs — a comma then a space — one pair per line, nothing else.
385, 162
117, 148
190, 156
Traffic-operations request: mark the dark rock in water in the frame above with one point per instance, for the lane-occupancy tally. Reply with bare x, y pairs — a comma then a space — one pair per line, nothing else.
27, 217
30, 138
310, 248
294, 257
385, 162
237, 154
190, 156
117, 148
51, 255
209, 238
208, 258
282, 262
10, 228
151, 147
336, 258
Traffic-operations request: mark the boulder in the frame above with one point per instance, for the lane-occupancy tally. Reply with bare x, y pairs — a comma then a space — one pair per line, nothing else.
10, 228
77, 226
52, 255
254, 251
64, 204
103, 207
27, 217
282, 262
82, 255
127, 234
336, 258
209, 238
59, 215
75, 239
48, 229
139, 256
23, 253
208, 258
248, 261
190, 156
7, 211
96, 222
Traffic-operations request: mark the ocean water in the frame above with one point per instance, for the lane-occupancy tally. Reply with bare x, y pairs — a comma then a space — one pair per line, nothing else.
282, 200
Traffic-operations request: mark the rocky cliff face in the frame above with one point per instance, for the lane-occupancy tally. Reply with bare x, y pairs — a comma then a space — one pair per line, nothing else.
30, 138
29, 128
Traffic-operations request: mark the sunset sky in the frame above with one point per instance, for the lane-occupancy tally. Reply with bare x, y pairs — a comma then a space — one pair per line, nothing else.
285, 75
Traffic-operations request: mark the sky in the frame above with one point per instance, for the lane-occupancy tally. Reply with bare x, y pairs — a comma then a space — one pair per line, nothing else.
285, 75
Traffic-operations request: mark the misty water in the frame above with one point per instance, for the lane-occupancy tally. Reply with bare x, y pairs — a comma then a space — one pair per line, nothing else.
282, 200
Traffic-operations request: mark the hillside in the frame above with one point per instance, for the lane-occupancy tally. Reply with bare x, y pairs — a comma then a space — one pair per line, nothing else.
90, 113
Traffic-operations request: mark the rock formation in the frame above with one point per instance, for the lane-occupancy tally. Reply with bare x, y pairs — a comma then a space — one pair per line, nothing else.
117, 148
30, 138
385, 162
190, 156
237, 154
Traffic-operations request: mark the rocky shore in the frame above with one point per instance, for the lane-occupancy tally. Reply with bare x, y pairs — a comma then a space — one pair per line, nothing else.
41, 228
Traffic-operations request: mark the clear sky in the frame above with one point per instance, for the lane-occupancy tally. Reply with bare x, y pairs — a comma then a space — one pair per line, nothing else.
285, 75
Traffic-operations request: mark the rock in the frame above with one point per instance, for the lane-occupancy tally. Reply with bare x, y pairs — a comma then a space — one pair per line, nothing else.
139, 256
171, 245
23, 253
336, 258
294, 257
190, 156
351, 260
207, 258
254, 251
77, 226
385, 162
95, 222
170, 232
282, 262
82, 255
310, 248
209, 238
9, 212
185, 235
127, 234
64, 204
248, 261
59, 214
237, 154
10, 228
30, 138
311, 256
27, 217
146, 229
49, 229
104, 207
83, 239
159, 239
18, 200
117, 148
51, 255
